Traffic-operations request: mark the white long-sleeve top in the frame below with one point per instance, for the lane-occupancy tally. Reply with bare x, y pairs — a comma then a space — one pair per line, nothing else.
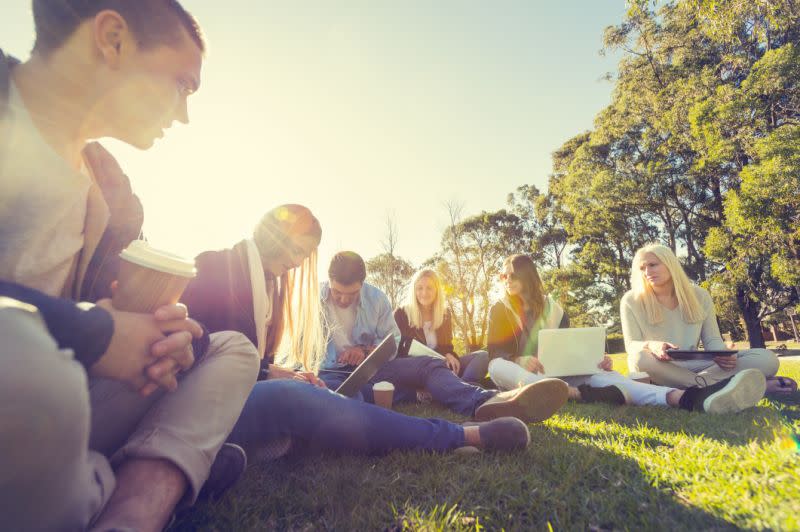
638, 331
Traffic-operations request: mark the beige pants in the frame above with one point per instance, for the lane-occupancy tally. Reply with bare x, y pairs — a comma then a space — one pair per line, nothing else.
56, 431
684, 374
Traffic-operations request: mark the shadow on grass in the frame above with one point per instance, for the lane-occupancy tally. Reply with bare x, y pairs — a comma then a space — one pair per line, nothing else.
788, 407
569, 485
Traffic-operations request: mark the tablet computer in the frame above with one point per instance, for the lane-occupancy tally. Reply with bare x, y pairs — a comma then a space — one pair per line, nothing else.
383, 353
697, 354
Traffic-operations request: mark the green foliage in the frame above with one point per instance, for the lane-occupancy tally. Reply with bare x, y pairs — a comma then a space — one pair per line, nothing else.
391, 274
469, 263
698, 149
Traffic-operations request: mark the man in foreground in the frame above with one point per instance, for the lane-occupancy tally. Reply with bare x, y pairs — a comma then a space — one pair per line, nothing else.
116, 452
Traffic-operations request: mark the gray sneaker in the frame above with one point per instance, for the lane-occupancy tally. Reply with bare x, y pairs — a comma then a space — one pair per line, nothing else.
501, 434
531, 403
227, 469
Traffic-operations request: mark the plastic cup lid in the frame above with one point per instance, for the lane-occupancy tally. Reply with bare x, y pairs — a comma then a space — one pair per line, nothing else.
383, 386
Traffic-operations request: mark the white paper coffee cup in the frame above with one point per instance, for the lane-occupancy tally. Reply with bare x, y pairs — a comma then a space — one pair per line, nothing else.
150, 278
383, 392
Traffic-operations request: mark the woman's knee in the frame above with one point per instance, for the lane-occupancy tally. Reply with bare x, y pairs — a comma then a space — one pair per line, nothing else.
480, 360
643, 361
762, 359
496, 364
474, 366
236, 352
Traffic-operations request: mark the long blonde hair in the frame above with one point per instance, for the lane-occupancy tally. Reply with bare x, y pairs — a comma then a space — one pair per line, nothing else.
296, 334
691, 309
412, 307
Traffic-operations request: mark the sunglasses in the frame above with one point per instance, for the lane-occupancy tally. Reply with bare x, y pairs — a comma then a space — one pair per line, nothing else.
509, 277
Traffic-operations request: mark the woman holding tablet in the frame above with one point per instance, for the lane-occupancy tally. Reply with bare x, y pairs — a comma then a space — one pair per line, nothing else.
514, 325
426, 318
663, 310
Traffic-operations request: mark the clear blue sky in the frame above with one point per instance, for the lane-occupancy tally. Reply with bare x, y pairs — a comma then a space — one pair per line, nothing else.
359, 109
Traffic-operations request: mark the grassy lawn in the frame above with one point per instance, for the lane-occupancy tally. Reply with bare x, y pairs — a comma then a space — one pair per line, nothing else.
591, 467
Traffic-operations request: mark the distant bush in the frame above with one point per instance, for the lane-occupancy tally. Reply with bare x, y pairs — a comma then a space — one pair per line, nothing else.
615, 343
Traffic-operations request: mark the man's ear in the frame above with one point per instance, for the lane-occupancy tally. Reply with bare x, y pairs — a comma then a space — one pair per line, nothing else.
111, 34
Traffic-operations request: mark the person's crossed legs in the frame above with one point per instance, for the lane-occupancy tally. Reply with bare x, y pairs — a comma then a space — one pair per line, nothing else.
162, 446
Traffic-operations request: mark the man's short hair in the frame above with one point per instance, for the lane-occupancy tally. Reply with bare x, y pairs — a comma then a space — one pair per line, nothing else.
153, 22
347, 267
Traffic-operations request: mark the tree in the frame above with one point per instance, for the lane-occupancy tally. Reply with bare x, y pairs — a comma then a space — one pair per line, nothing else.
699, 120
387, 271
546, 236
469, 263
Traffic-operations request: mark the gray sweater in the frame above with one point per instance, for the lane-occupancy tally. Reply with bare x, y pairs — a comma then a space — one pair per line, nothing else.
637, 330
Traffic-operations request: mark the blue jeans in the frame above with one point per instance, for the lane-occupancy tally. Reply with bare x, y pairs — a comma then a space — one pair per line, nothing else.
474, 366
409, 374
324, 420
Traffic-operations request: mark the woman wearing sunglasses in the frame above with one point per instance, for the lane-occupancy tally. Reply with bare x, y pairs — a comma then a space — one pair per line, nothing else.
514, 325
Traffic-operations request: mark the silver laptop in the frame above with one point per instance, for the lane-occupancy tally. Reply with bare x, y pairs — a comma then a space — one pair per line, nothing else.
384, 352
566, 352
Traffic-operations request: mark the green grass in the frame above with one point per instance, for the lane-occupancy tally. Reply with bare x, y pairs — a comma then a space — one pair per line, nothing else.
589, 467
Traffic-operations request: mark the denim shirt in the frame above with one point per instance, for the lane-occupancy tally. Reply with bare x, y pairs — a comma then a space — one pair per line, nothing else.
374, 320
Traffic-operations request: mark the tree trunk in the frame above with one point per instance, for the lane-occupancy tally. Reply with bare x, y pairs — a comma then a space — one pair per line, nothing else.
749, 309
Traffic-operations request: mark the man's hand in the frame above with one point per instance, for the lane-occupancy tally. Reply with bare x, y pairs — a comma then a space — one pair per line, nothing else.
606, 364
147, 351
659, 350
530, 363
453, 362
175, 352
129, 352
352, 356
726, 362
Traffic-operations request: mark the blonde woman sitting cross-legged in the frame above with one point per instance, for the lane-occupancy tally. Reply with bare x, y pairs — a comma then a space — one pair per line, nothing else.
514, 325
426, 318
664, 310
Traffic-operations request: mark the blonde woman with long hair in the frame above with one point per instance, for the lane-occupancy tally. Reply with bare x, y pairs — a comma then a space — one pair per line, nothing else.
267, 288
426, 318
664, 310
